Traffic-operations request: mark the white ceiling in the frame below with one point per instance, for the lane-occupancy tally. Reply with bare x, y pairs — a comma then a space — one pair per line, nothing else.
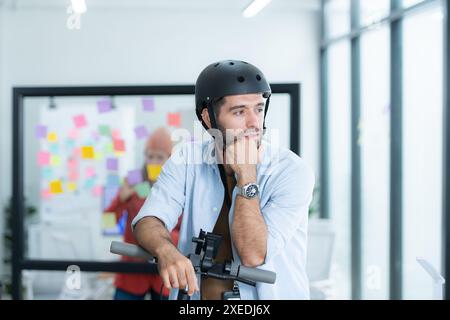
238, 5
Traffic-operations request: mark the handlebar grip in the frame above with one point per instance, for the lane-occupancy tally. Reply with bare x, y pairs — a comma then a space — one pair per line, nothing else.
130, 250
257, 275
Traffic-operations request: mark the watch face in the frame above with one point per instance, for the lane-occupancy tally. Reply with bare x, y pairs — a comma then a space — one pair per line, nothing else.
251, 191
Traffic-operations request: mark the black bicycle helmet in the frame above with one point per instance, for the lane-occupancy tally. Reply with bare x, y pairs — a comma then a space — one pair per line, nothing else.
227, 78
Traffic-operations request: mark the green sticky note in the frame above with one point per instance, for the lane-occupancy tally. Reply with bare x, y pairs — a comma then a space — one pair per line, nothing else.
109, 148
142, 189
104, 130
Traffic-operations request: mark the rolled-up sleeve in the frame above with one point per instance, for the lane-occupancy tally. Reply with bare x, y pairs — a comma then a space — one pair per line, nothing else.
167, 198
288, 206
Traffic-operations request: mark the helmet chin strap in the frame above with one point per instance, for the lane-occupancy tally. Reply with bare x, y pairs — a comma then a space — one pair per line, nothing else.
223, 175
265, 111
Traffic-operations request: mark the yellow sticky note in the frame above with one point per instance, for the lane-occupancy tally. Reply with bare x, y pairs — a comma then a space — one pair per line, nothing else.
153, 171
98, 155
71, 186
87, 152
52, 137
55, 161
108, 220
56, 187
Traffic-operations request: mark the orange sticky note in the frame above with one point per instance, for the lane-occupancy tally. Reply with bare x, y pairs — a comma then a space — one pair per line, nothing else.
153, 171
52, 137
56, 187
173, 119
87, 152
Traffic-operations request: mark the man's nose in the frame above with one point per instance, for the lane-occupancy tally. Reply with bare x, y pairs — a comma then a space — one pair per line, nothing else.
252, 119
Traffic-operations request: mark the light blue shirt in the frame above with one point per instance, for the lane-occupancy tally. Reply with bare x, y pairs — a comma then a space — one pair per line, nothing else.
190, 183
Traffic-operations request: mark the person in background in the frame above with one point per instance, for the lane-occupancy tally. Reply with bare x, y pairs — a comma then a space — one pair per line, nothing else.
135, 286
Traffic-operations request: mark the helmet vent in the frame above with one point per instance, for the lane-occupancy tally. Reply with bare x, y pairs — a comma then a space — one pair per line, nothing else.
258, 77
241, 79
231, 63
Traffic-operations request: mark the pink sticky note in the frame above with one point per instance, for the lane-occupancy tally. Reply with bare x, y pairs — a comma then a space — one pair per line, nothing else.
43, 158
119, 145
115, 133
97, 191
77, 152
73, 175
46, 194
80, 121
173, 119
72, 164
90, 172
73, 134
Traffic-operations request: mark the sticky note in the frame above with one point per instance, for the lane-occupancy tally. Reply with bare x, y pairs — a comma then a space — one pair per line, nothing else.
54, 148
98, 155
43, 158
142, 189
173, 119
119, 145
80, 121
141, 132
87, 152
41, 132
74, 175
104, 106
112, 180
153, 171
70, 144
104, 130
71, 186
95, 135
89, 183
108, 220
148, 104
97, 191
47, 173
52, 137
90, 171
46, 194
115, 133
76, 152
72, 164
73, 134
112, 164
55, 161
108, 148
56, 187
134, 177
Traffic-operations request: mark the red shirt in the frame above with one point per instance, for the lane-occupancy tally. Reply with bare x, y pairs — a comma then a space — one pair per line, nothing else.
132, 282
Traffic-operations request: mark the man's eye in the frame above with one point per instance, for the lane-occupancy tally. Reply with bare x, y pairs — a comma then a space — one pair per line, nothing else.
238, 113
260, 110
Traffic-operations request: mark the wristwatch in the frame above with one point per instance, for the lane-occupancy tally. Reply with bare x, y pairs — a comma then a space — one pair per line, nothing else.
249, 191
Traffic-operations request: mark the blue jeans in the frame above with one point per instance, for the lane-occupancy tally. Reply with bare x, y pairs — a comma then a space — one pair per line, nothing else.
124, 295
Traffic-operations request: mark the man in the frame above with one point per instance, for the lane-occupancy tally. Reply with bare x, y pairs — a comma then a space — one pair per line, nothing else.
255, 196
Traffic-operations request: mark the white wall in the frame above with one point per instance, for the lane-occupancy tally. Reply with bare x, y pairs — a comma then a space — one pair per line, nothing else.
144, 46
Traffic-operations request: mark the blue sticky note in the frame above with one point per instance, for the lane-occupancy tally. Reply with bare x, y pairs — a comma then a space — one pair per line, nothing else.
53, 148
89, 183
112, 180
47, 173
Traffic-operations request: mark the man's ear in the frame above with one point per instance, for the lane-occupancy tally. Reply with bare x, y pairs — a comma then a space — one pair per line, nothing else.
205, 117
